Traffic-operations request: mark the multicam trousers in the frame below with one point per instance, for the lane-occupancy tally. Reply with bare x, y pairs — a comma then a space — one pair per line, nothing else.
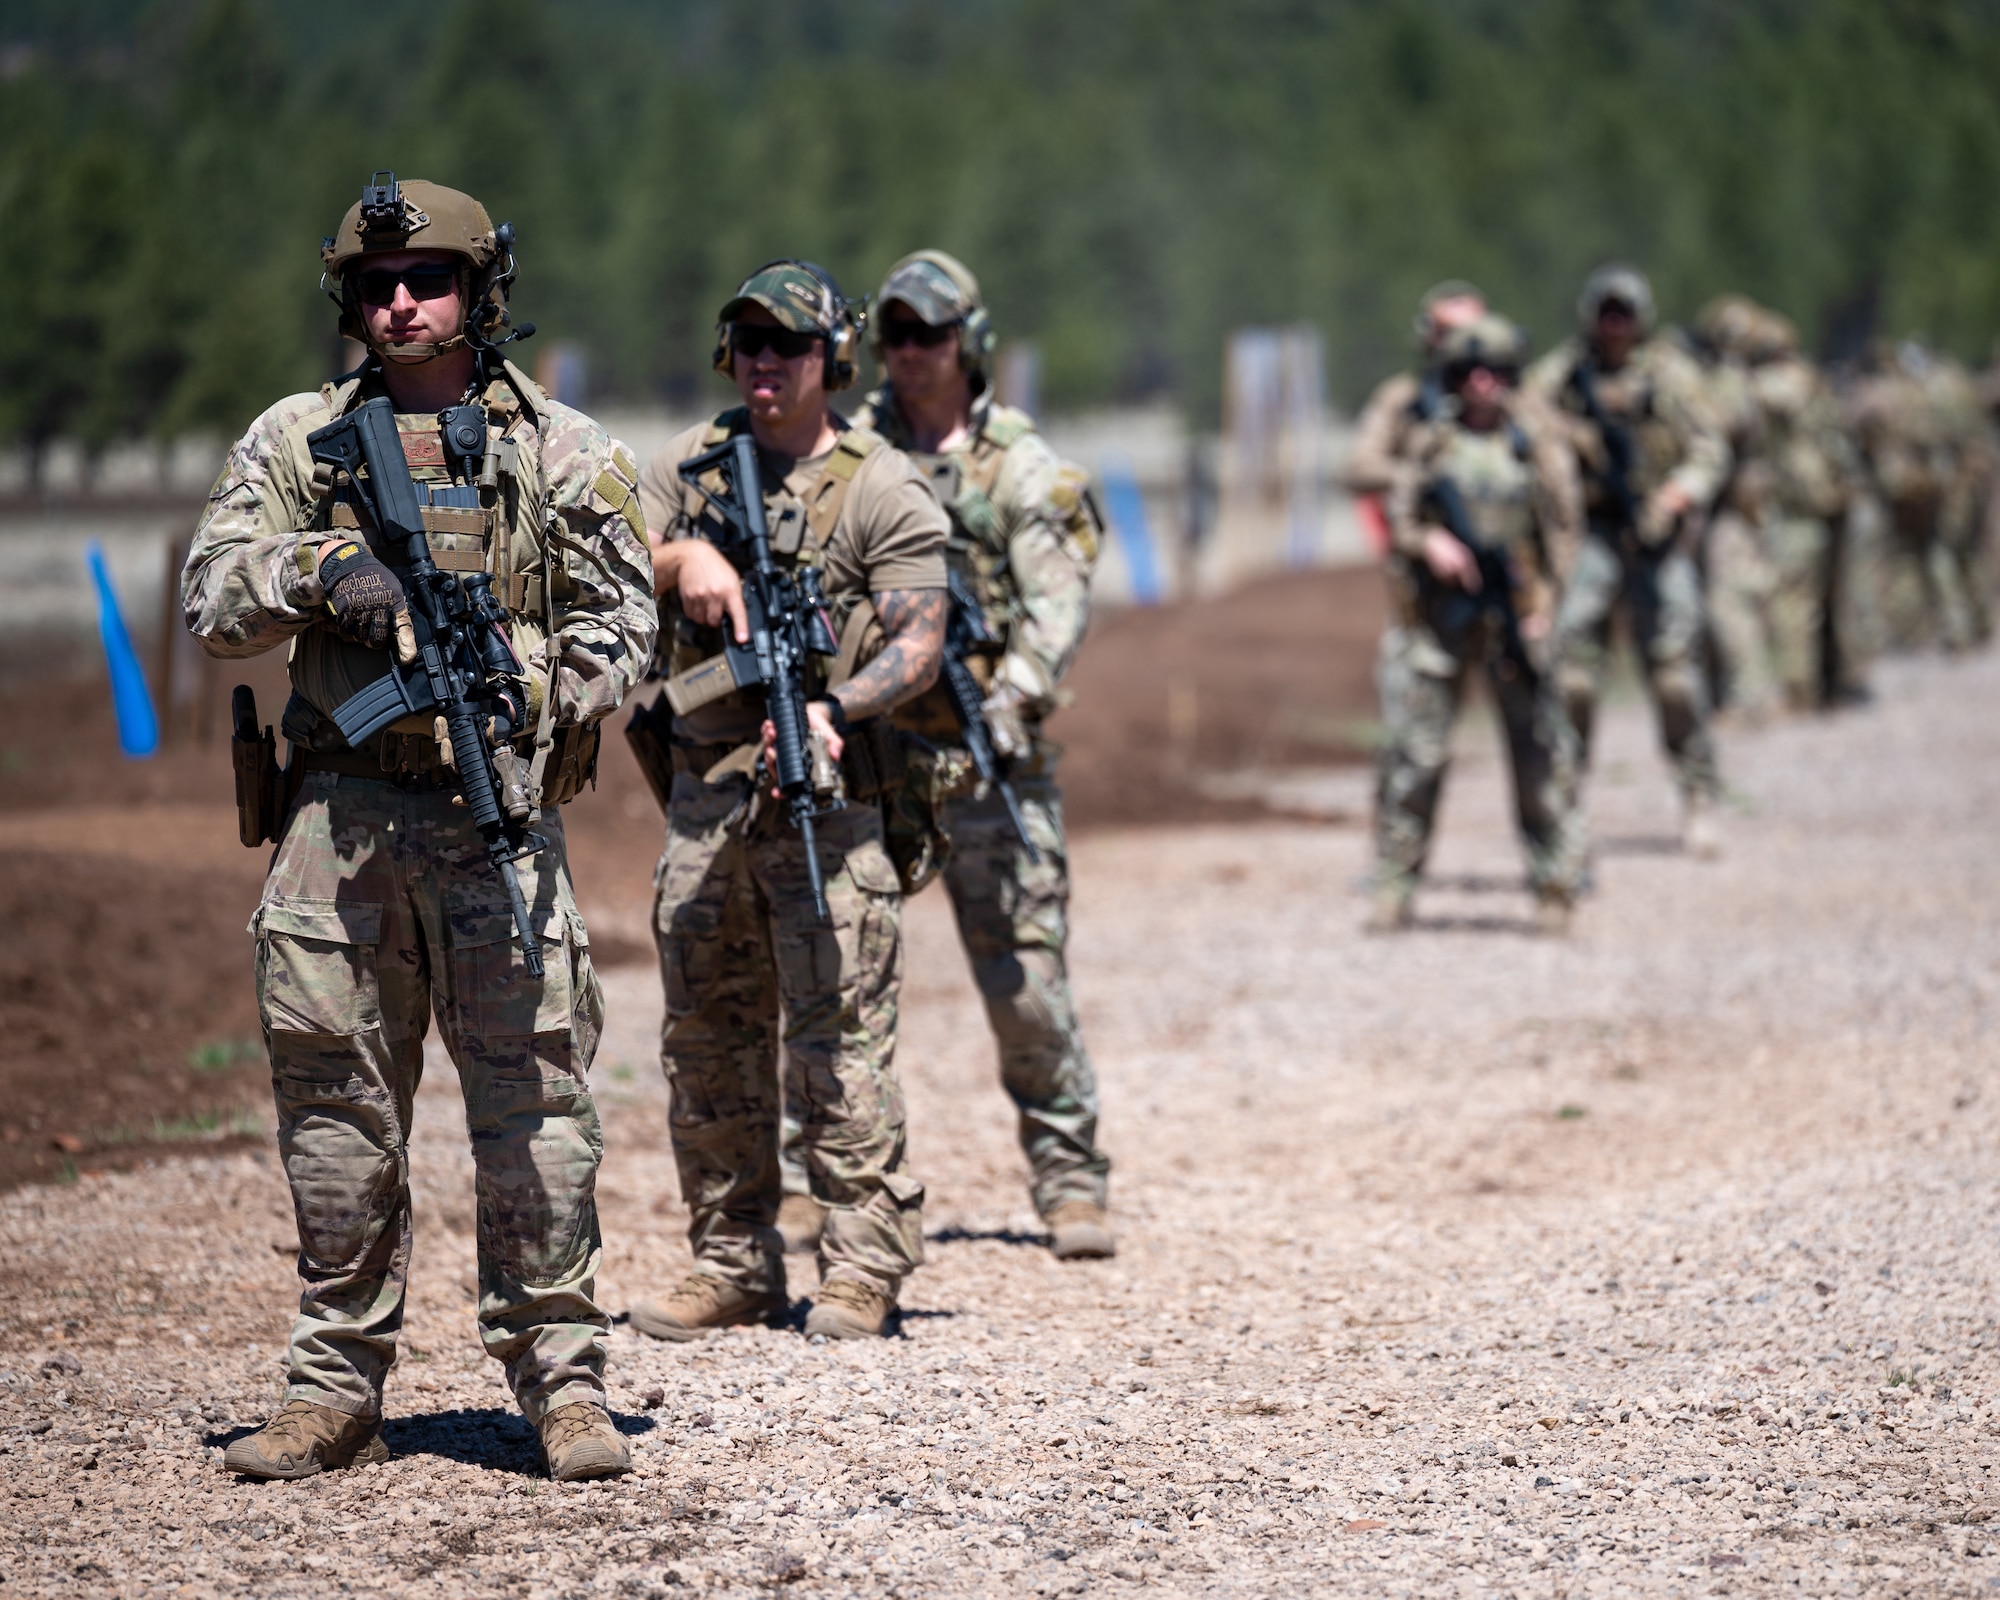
1662, 596
1768, 593
380, 907
741, 946
1013, 918
1421, 684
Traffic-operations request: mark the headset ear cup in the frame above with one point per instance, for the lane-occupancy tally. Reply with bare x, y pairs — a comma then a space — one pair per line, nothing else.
719, 356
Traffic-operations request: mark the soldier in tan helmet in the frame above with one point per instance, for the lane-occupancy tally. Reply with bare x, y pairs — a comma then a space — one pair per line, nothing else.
1653, 458
1024, 536
381, 905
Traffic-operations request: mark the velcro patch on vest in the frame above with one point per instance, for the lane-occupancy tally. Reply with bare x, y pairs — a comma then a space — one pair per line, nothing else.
424, 449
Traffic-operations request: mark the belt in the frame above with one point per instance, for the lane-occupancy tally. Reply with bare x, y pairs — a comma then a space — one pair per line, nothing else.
360, 764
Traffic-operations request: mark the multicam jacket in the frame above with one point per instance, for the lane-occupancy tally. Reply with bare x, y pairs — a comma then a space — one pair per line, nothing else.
1661, 399
1519, 493
562, 536
1024, 537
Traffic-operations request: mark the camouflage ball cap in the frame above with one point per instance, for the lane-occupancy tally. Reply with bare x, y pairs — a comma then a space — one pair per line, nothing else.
790, 292
926, 283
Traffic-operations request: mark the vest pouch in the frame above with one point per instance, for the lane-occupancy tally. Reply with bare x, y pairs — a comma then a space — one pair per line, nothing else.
913, 829
572, 763
874, 760
648, 734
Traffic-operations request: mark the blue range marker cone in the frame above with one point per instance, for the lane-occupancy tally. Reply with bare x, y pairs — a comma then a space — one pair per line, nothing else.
138, 728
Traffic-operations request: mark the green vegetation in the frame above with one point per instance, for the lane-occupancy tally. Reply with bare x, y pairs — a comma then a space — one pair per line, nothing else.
221, 1055
1131, 177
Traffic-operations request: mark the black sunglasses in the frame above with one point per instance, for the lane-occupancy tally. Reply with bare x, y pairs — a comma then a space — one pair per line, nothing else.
378, 286
899, 331
753, 339
1456, 374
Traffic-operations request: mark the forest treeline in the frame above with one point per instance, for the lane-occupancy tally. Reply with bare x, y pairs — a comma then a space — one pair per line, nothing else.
1130, 178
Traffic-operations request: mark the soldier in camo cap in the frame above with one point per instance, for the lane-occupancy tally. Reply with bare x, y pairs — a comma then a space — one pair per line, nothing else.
1519, 500
1024, 535
381, 904
750, 966
1635, 410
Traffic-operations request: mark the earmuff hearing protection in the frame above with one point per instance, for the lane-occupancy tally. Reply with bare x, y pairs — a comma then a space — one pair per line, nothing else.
842, 344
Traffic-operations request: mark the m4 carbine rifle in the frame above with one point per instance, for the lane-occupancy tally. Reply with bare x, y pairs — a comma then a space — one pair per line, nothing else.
464, 668
786, 613
1619, 455
1455, 610
966, 634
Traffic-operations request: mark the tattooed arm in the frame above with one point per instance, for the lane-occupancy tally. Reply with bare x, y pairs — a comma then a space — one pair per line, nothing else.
909, 663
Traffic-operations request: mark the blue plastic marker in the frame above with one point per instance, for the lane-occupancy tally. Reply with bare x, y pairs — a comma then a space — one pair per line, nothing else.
138, 728
1126, 509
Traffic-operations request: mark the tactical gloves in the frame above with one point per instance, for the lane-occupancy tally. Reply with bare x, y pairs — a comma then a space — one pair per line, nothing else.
1006, 724
368, 604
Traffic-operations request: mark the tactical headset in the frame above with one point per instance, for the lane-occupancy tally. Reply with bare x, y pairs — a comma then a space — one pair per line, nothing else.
976, 336
842, 344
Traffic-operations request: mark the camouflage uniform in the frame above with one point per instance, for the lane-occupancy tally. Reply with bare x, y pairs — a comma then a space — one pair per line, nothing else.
1024, 538
1804, 463
741, 943
1923, 443
1737, 580
1520, 496
381, 906
1658, 395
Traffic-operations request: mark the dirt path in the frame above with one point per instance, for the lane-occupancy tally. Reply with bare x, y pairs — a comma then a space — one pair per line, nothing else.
1657, 1262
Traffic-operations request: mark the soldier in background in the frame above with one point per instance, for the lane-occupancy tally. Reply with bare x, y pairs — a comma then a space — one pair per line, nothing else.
381, 902
1653, 458
1024, 536
1520, 503
1401, 402
1805, 467
743, 948
1915, 420
1737, 578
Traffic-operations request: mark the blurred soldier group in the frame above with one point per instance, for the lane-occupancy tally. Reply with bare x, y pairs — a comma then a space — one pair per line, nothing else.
934, 531
1765, 529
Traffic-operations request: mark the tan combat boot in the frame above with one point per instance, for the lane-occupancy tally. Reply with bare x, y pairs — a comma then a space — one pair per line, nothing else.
1552, 912
1080, 1231
844, 1309
1392, 910
304, 1438
579, 1441
701, 1303
1700, 836
801, 1220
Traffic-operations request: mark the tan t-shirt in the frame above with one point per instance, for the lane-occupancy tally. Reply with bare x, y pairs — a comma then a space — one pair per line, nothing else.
890, 534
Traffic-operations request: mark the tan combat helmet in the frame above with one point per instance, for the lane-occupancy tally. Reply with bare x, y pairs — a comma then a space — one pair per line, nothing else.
1615, 281
1727, 324
1491, 341
1424, 326
419, 215
942, 291
1772, 337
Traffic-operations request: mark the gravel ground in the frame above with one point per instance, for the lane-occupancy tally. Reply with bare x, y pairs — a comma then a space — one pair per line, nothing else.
1658, 1261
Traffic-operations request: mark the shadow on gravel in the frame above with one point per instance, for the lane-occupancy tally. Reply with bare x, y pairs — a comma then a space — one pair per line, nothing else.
1521, 926
1640, 844
986, 1236
1475, 882
490, 1437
